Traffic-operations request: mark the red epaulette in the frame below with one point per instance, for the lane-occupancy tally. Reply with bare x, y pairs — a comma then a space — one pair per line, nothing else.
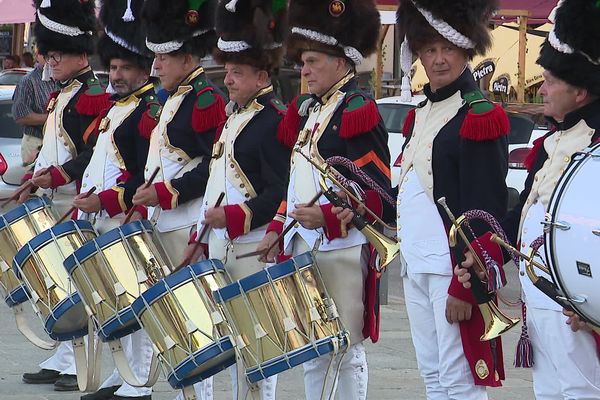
287, 133
209, 110
409, 122
537, 144
360, 115
219, 131
94, 100
485, 120
149, 118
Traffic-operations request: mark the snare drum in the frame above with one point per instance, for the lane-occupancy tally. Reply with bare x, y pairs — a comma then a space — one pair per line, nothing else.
185, 325
282, 317
17, 227
39, 264
572, 238
111, 271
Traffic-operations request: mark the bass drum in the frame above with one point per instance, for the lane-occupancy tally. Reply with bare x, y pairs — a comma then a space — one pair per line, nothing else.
572, 235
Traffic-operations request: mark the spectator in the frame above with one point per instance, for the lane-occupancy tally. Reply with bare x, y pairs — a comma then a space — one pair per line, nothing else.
11, 61
27, 60
29, 109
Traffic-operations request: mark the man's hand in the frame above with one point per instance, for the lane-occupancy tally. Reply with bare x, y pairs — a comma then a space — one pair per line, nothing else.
215, 217
135, 216
309, 217
575, 321
42, 178
462, 271
192, 254
90, 204
266, 242
146, 196
457, 310
24, 196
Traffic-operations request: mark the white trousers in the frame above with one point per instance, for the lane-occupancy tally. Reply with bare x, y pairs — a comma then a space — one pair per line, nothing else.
203, 389
138, 350
438, 344
63, 359
352, 380
566, 363
267, 387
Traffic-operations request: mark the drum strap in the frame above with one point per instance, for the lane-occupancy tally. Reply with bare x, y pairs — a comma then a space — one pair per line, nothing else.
24, 328
124, 368
87, 363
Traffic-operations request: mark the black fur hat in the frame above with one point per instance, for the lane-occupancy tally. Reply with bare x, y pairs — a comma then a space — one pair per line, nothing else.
470, 18
346, 28
68, 26
251, 32
123, 36
572, 49
187, 26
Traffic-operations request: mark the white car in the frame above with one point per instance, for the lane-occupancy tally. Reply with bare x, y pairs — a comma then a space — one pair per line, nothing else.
11, 165
527, 124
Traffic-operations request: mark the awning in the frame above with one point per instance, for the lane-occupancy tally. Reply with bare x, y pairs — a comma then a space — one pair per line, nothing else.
539, 10
16, 11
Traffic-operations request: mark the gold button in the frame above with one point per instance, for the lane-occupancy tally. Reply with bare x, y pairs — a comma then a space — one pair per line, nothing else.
536, 178
429, 172
84, 185
170, 150
246, 195
567, 159
429, 187
231, 166
242, 185
401, 190
237, 175
429, 158
430, 145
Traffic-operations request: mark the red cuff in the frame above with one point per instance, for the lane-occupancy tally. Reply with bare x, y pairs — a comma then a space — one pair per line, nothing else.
27, 177
59, 177
275, 226
333, 226
167, 195
374, 203
112, 201
238, 217
457, 290
142, 210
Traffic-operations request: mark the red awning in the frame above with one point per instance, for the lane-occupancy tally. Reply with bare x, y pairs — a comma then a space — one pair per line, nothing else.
16, 11
539, 10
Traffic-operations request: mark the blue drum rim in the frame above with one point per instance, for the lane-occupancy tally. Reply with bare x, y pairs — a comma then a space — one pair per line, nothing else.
19, 212
173, 281
197, 359
60, 309
113, 328
261, 278
296, 357
18, 296
104, 241
45, 237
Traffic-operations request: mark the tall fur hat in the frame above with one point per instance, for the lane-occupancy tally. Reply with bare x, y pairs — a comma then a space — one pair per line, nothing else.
180, 25
251, 32
68, 26
343, 28
462, 22
572, 49
123, 36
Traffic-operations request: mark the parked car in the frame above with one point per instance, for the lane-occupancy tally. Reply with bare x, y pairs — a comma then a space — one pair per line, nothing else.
11, 165
13, 76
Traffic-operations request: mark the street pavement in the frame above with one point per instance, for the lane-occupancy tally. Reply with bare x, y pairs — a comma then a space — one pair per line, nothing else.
393, 370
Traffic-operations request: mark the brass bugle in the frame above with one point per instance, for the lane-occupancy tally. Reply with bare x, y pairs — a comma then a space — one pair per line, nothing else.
495, 321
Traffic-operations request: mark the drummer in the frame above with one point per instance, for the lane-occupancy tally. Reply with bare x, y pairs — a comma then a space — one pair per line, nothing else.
64, 32
329, 39
256, 181
565, 363
180, 34
116, 167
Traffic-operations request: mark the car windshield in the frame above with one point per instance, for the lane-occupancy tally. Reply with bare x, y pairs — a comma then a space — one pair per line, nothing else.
521, 127
8, 127
11, 78
393, 115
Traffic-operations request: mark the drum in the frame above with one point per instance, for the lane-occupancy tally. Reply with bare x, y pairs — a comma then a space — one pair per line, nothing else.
111, 271
572, 235
17, 227
185, 325
39, 263
281, 317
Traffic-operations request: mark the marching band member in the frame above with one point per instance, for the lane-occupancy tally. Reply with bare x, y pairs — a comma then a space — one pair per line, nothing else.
116, 167
565, 363
329, 39
180, 33
65, 32
248, 163
456, 147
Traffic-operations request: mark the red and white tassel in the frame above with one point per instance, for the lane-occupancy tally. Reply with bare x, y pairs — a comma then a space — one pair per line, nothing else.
524, 356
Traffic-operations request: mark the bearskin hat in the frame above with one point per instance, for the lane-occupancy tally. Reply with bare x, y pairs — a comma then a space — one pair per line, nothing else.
180, 25
468, 20
251, 32
123, 36
572, 49
68, 26
344, 28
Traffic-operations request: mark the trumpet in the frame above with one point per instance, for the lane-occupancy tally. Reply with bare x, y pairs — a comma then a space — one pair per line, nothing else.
495, 321
387, 249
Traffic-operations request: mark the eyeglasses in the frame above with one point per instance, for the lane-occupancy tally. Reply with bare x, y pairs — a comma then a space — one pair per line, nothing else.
56, 57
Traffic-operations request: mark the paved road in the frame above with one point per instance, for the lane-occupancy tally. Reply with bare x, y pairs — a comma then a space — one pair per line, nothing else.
392, 365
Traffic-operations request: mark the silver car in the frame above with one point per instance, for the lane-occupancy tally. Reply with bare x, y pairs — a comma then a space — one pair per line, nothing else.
11, 165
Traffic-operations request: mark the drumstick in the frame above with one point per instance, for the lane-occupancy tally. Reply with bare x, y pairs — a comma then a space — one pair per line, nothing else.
146, 186
282, 234
85, 196
201, 236
26, 186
